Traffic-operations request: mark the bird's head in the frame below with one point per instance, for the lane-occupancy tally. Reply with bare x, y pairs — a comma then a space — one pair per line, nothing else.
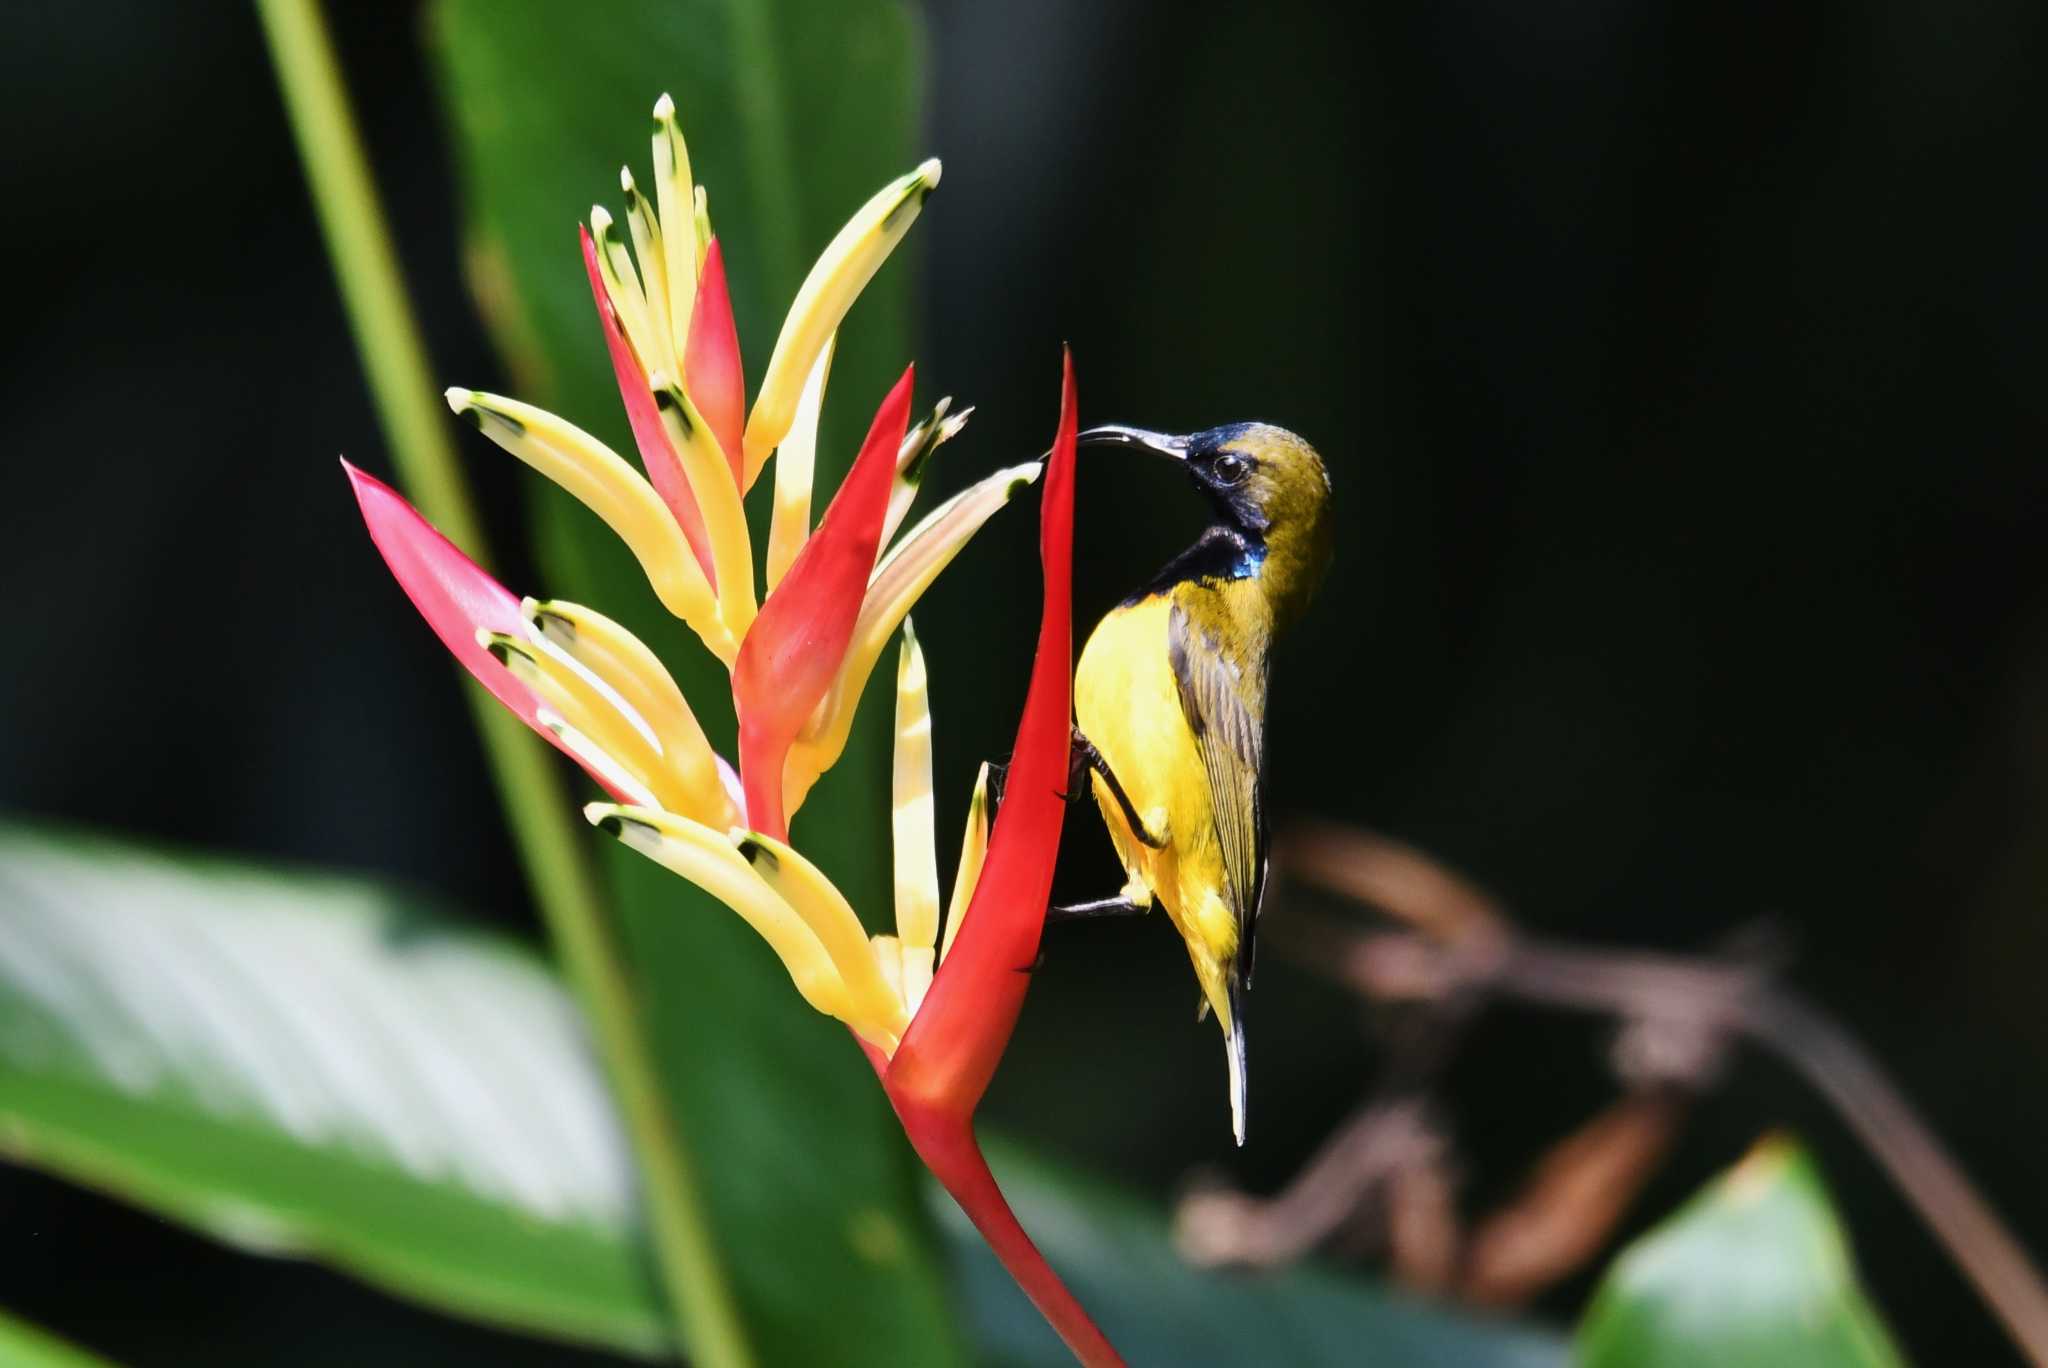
1265, 483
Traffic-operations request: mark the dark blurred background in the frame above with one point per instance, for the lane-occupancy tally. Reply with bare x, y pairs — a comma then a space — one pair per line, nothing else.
1678, 365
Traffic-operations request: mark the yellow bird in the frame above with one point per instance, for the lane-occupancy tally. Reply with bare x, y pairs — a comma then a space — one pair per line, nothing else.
1170, 701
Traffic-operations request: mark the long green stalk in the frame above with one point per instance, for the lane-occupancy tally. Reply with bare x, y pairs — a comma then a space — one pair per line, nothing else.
23, 1345
551, 844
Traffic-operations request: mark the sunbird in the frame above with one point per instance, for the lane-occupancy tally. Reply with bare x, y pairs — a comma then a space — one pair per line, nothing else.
1170, 703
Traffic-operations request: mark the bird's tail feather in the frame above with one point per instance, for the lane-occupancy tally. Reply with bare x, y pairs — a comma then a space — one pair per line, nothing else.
1234, 1049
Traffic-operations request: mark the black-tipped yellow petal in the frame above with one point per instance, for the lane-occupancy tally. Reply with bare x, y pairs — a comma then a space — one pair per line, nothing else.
675, 201
870, 1002
841, 273
600, 478
709, 860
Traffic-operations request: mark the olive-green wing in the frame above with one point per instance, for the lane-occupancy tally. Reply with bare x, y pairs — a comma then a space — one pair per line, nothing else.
1225, 706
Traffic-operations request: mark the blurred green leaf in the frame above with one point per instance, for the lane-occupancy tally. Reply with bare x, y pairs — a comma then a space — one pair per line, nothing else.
306, 1065
795, 112
1754, 1271
1116, 1254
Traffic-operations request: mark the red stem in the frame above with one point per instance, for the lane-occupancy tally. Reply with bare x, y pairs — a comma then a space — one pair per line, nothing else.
948, 1148
761, 784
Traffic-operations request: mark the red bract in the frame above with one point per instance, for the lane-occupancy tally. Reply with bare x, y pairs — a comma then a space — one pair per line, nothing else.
951, 1049
794, 649
944, 1063
711, 362
454, 595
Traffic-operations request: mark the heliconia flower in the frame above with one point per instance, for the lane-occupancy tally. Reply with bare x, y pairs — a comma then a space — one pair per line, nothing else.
933, 1012
834, 596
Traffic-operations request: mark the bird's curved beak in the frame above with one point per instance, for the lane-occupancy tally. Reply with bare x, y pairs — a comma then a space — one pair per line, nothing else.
1116, 434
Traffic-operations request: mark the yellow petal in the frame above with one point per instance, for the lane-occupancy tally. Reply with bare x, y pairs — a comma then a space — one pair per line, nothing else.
916, 850
718, 500
613, 490
795, 462
973, 850
800, 772
902, 575
675, 199
917, 975
703, 217
649, 250
707, 859
622, 284
595, 758
621, 660
841, 272
811, 895
889, 959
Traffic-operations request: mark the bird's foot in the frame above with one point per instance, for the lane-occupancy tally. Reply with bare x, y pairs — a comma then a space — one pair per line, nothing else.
1083, 760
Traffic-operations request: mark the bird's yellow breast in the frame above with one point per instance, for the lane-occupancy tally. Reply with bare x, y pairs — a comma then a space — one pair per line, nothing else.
1127, 703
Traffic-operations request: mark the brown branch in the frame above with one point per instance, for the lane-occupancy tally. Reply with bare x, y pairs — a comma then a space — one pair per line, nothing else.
1692, 992
1425, 1241
1220, 1226
1398, 879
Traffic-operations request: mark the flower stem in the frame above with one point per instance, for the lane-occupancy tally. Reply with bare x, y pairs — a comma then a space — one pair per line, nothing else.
564, 886
21, 1342
949, 1150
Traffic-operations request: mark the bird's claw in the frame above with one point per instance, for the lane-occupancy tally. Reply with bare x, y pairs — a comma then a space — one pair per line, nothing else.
1118, 906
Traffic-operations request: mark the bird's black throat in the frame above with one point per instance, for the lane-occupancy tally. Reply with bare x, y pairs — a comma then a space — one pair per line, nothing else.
1222, 552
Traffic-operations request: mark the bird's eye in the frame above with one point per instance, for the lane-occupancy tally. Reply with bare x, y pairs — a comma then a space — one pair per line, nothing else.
1231, 468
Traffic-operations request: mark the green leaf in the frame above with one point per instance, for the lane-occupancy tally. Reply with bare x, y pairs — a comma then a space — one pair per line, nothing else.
1755, 1270
795, 111
306, 1065
1116, 1255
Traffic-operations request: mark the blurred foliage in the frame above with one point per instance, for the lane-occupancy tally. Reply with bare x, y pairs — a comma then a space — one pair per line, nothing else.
794, 113
302, 1064
1754, 1270
1117, 1255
